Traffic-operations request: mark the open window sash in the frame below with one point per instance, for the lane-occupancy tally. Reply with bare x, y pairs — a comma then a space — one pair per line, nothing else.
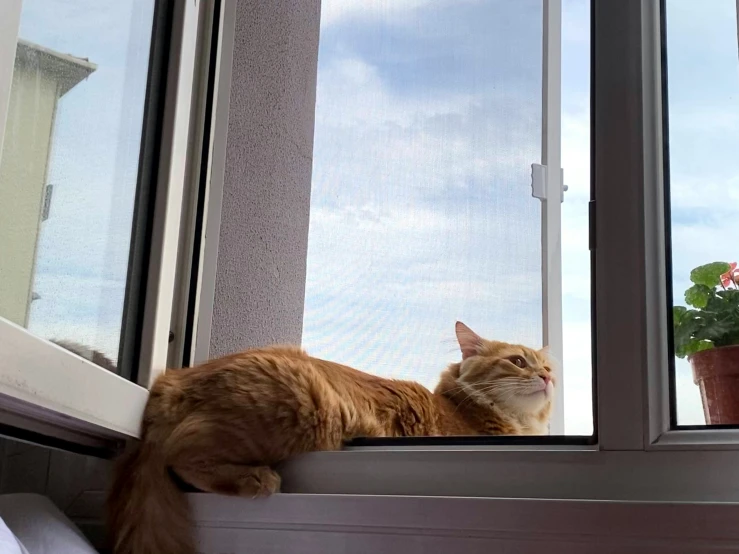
47, 394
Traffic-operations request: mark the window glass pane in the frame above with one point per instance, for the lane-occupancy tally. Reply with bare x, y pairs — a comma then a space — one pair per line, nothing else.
69, 169
703, 110
428, 119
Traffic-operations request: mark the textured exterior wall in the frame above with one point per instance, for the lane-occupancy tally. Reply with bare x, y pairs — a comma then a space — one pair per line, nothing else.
260, 280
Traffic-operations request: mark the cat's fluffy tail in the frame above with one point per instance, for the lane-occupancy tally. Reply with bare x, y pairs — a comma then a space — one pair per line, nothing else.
147, 513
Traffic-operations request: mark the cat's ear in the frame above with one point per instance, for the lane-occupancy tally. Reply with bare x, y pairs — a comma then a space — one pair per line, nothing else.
545, 350
469, 341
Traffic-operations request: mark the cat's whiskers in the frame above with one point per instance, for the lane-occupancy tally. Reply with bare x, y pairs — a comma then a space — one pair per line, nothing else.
499, 390
502, 383
507, 387
461, 386
472, 394
505, 384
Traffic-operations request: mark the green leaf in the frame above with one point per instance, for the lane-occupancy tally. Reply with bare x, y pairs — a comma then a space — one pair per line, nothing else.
717, 305
678, 312
709, 275
729, 339
716, 330
692, 347
724, 305
686, 327
731, 296
698, 295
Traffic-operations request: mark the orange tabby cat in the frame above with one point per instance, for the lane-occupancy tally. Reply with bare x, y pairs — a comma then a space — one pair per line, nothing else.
222, 426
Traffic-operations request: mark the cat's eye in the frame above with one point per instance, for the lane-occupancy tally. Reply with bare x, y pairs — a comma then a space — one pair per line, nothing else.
518, 361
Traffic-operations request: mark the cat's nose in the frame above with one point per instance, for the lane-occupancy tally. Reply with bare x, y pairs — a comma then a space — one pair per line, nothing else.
547, 378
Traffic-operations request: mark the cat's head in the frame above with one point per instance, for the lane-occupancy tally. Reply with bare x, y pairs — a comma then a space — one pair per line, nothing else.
517, 379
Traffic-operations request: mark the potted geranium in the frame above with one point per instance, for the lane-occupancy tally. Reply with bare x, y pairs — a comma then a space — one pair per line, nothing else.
707, 333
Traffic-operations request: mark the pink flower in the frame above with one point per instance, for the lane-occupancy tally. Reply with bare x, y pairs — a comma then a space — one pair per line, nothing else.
728, 277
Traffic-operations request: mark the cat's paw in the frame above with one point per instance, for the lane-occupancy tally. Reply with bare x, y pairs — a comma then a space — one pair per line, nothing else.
260, 482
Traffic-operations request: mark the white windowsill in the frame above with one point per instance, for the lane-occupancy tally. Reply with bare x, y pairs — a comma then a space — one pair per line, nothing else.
646, 476
315, 523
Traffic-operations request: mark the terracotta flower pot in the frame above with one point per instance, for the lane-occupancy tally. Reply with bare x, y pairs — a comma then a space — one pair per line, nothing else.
716, 372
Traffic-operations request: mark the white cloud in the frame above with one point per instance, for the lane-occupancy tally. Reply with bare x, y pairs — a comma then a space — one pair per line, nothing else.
396, 11
423, 140
707, 195
411, 270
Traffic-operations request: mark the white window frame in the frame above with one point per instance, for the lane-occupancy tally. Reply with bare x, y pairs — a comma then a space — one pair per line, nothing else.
637, 456
211, 232
44, 388
551, 192
215, 163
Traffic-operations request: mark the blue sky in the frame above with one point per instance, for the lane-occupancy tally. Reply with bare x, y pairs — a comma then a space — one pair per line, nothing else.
428, 119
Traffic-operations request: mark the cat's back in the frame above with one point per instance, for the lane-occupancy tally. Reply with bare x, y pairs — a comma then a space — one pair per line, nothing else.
274, 373
252, 367
286, 365
284, 386
257, 373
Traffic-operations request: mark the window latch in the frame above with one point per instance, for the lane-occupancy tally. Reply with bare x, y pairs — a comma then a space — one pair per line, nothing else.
540, 184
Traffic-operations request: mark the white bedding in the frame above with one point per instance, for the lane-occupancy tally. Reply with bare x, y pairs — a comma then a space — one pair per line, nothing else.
34, 522
9, 544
